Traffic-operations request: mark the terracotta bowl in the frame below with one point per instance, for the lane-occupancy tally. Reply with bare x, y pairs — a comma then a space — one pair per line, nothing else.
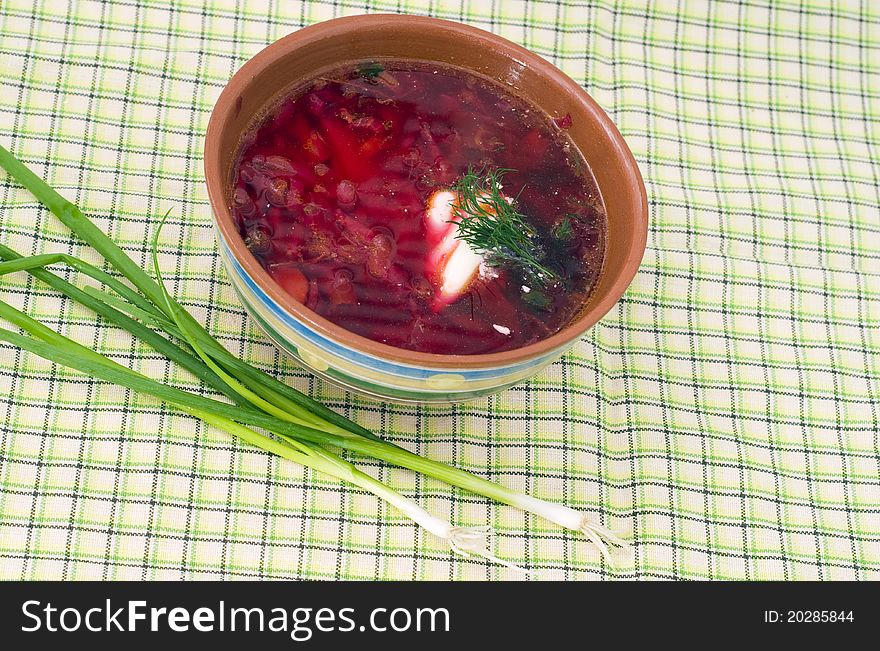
353, 361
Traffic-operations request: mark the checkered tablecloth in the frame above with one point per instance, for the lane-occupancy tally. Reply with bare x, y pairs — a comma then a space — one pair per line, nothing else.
723, 416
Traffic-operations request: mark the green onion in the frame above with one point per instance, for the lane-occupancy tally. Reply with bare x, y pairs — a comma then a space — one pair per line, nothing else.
261, 401
59, 349
72, 217
39, 261
157, 342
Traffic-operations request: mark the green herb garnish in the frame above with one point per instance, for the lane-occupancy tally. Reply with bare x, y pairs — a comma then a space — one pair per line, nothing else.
371, 70
494, 228
564, 230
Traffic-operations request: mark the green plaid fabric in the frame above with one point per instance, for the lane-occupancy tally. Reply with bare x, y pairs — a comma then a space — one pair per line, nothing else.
724, 416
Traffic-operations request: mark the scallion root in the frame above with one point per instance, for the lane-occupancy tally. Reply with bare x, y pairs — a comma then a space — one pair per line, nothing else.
473, 541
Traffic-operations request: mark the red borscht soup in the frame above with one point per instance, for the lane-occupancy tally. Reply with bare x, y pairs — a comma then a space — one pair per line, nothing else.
421, 206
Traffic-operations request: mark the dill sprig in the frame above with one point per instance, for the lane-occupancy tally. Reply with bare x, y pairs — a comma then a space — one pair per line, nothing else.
371, 70
494, 228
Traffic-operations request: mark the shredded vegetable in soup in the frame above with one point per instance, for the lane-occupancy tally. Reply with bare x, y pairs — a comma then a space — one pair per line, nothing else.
423, 207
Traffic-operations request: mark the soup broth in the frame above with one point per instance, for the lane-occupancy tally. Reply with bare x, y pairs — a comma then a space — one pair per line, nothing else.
332, 192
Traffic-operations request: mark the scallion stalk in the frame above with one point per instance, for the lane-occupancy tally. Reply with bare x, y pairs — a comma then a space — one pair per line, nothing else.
99, 367
157, 342
62, 350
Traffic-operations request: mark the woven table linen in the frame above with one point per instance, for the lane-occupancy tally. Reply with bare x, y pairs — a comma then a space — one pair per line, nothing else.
723, 416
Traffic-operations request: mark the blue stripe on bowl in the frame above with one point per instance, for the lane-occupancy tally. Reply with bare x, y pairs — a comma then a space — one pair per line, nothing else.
351, 382
362, 359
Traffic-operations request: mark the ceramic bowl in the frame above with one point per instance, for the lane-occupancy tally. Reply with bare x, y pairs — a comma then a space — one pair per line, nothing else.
363, 365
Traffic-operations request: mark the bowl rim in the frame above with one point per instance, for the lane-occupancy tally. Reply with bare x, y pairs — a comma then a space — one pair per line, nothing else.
223, 219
